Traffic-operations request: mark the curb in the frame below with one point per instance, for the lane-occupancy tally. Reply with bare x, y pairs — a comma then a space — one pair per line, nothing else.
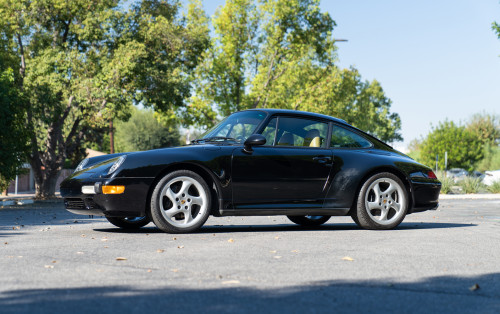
27, 201
469, 196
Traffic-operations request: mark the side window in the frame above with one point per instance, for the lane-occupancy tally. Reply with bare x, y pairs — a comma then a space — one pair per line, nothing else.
270, 132
300, 132
342, 138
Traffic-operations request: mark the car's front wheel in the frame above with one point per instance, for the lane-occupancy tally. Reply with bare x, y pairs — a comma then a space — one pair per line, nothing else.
129, 223
309, 221
382, 202
180, 202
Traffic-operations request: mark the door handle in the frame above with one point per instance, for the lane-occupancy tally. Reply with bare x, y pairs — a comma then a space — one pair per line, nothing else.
322, 159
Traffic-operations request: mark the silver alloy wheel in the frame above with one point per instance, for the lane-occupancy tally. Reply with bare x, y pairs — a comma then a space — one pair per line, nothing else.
184, 202
385, 201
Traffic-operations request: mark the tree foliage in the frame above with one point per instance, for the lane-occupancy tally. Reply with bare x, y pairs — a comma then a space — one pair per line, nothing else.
84, 63
281, 54
13, 136
486, 127
143, 131
463, 147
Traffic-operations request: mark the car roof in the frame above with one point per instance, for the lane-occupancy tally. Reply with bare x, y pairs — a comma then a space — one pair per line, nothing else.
300, 113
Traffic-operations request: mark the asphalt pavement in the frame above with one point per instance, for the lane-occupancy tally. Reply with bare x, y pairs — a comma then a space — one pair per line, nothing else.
444, 261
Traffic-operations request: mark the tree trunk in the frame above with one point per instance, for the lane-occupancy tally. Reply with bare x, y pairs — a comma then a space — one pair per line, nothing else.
45, 182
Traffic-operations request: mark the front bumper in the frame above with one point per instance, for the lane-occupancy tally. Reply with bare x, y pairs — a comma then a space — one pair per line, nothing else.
130, 203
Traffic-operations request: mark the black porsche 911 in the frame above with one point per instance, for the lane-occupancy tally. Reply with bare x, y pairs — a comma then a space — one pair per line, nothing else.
306, 166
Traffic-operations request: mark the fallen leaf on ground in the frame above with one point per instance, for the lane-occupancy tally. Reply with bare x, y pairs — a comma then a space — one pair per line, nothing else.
474, 287
49, 266
104, 240
175, 270
121, 258
229, 282
174, 239
149, 270
160, 251
83, 236
230, 240
180, 247
6, 243
53, 262
294, 251
347, 258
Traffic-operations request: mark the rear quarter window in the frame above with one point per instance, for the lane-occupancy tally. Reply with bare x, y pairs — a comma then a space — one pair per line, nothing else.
343, 138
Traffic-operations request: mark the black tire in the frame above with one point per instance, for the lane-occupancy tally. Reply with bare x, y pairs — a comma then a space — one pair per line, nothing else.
309, 221
382, 202
129, 223
184, 196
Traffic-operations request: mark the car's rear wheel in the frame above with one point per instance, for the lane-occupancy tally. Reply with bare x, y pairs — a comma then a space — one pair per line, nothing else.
309, 221
129, 223
382, 202
180, 202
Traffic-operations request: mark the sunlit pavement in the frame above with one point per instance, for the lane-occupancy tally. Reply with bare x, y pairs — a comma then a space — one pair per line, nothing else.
441, 261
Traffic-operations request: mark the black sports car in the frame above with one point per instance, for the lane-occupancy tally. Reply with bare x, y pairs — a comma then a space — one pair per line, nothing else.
257, 162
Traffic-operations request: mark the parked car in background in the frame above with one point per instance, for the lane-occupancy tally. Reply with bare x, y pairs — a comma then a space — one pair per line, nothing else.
491, 176
457, 174
477, 174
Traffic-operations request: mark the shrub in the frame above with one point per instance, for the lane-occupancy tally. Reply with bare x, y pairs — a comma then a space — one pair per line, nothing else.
471, 185
446, 182
495, 187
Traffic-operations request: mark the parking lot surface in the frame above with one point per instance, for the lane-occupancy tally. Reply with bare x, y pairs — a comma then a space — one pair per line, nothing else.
444, 261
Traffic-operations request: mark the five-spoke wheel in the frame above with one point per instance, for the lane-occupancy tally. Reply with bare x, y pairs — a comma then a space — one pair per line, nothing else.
180, 202
382, 202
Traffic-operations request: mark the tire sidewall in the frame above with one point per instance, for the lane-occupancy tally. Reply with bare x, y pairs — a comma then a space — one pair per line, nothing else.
361, 215
155, 210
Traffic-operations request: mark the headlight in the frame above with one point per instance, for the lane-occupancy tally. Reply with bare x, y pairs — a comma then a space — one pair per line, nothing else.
116, 164
82, 165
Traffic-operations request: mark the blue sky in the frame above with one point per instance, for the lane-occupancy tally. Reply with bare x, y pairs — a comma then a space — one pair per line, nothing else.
436, 60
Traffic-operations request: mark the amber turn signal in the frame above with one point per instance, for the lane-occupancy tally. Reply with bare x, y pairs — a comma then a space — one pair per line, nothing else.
113, 189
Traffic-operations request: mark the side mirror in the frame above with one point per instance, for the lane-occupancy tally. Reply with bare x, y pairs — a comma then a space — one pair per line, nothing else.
253, 140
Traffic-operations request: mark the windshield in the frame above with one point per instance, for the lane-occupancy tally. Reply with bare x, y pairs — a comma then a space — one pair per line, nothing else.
237, 127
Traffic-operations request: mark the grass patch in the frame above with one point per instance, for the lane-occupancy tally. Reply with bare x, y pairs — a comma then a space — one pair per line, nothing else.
446, 182
471, 185
495, 187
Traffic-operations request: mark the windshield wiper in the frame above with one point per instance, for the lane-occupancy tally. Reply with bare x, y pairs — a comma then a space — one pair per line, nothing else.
214, 139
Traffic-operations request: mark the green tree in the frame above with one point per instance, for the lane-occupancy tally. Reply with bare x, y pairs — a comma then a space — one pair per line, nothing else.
143, 131
82, 64
281, 54
463, 147
491, 158
13, 136
486, 127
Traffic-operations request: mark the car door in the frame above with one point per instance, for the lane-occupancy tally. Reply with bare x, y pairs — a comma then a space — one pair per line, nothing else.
290, 171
